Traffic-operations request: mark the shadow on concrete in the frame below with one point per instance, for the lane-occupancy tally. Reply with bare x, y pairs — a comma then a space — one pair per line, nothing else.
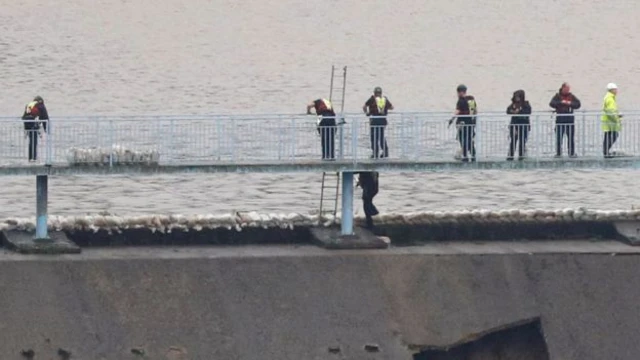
523, 340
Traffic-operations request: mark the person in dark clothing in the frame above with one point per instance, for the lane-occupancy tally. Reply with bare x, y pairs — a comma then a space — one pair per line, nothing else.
520, 125
368, 181
466, 109
377, 108
564, 103
32, 111
326, 126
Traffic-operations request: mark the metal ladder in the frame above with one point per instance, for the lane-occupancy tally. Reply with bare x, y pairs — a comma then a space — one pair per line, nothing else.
329, 193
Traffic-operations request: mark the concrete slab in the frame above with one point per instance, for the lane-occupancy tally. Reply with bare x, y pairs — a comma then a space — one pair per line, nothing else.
330, 238
629, 231
24, 243
310, 165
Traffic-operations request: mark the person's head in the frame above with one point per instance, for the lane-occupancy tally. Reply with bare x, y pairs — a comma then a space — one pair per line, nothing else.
518, 96
462, 90
38, 99
377, 91
612, 88
565, 89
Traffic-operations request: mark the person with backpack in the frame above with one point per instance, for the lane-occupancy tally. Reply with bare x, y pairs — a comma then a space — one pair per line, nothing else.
464, 116
32, 111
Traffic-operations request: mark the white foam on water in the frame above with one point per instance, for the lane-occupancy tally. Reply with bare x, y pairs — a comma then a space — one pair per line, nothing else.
252, 219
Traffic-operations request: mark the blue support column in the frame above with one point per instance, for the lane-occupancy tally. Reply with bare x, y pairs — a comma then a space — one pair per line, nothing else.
347, 203
41, 207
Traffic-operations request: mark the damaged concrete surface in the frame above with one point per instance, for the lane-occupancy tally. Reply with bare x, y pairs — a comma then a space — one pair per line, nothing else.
302, 302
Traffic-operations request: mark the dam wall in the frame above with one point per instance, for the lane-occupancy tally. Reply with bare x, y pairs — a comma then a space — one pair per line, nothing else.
307, 303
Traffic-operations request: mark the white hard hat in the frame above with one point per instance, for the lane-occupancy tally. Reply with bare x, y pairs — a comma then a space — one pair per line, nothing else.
611, 86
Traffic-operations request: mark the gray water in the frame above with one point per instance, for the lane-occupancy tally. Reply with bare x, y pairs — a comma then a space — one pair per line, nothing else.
171, 57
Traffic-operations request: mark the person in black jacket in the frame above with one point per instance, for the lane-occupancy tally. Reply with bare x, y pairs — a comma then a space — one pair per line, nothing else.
368, 181
520, 125
377, 107
564, 103
326, 126
32, 111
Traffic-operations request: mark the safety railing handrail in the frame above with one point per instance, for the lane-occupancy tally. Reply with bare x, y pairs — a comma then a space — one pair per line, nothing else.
246, 117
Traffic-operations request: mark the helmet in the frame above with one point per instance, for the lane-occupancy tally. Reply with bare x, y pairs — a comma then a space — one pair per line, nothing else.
611, 86
461, 87
38, 99
377, 90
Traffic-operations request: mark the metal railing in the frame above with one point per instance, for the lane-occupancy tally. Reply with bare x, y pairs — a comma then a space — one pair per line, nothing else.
211, 139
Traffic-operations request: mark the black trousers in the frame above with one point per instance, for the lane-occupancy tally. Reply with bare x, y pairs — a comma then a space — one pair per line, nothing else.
378, 141
610, 138
33, 144
370, 210
563, 129
466, 133
328, 141
518, 133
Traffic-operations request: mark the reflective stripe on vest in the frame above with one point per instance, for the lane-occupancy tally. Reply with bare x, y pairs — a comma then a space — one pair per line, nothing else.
472, 106
30, 106
381, 102
327, 105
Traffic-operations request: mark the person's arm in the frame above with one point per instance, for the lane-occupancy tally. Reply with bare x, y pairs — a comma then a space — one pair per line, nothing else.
459, 105
389, 105
310, 106
555, 101
575, 102
511, 110
367, 106
526, 108
43, 115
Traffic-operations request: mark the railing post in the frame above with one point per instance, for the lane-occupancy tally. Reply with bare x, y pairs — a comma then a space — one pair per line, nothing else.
49, 156
347, 203
172, 134
41, 207
476, 141
341, 135
220, 136
111, 138
584, 134
293, 138
354, 140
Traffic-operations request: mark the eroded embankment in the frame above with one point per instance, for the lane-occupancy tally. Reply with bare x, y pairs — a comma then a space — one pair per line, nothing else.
310, 304
256, 228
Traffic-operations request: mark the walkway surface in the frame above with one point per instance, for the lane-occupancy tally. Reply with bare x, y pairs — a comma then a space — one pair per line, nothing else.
291, 143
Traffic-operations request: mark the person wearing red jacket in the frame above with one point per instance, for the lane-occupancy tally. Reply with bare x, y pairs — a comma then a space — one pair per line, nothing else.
564, 103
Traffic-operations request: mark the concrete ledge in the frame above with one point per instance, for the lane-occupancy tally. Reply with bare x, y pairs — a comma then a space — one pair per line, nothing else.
389, 165
24, 243
629, 231
330, 238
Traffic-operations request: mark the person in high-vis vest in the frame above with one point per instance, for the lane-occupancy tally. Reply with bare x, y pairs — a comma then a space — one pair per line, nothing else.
611, 120
32, 111
464, 116
326, 126
377, 107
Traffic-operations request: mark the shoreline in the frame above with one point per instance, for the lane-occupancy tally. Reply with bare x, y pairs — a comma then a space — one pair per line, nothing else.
253, 228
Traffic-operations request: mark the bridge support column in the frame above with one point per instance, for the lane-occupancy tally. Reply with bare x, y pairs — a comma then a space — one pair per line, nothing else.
42, 195
347, 203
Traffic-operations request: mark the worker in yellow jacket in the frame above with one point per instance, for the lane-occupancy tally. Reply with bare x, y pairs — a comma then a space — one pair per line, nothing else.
611, 120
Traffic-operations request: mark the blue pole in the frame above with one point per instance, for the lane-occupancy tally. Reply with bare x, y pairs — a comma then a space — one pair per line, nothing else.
41, 207
347, 203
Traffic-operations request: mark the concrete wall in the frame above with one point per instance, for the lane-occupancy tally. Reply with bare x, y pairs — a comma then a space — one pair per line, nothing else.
400, 234
298, 306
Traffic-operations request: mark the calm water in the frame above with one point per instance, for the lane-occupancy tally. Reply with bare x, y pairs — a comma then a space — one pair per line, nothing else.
172, 57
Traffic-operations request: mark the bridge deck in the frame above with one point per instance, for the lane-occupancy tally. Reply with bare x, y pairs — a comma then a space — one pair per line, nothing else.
291, 143
388, 165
